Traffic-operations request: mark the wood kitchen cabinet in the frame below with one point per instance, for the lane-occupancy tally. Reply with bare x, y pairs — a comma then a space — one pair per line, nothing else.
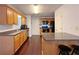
7, 15
19, 39
23, 36
23, 21
3, 15
15, 17
16, 42
10, 16
10, 44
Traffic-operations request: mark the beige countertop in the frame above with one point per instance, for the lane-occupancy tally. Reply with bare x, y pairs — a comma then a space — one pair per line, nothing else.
11, 33
60, 36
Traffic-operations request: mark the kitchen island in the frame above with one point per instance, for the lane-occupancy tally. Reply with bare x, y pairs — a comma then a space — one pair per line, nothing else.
51, 41
59, 36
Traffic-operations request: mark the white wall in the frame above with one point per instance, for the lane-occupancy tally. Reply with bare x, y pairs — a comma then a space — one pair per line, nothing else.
29, 25
35, 25
19, 21
67, 19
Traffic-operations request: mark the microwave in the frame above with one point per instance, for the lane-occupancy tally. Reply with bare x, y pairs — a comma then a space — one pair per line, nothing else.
23, 26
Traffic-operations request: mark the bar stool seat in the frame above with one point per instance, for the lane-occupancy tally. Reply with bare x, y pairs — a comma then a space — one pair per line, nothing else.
75, 49
64, 50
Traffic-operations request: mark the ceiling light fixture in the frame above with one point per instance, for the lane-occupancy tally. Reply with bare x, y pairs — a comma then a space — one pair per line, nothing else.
36, 8
35, 4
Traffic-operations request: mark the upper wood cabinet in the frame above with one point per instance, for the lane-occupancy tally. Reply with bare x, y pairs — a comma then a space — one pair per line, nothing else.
15, 18
8, 16
23, 21
3, 15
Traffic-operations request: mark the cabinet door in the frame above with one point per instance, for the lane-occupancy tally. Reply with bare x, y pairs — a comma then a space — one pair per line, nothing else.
23, 21
10, 16
3, 15
22, 37
15, 18
17, 42
25, 35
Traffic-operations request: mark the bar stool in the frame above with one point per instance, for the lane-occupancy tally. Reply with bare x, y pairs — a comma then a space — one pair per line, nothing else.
75, 49
64, 50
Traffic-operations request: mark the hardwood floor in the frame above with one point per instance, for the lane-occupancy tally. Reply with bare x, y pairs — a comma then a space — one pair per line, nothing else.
36, 45
31, 47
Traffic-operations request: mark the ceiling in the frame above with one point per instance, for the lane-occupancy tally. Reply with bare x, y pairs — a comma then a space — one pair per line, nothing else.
43, 9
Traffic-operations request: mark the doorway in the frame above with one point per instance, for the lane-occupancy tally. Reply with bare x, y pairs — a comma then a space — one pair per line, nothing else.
47, 25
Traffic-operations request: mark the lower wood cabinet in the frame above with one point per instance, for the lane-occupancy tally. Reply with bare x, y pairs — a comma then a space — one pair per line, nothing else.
16, 42
19, 39
22, 38
10, 44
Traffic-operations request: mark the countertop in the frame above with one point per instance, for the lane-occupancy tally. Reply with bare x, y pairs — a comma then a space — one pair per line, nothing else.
59, 36
11, 33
